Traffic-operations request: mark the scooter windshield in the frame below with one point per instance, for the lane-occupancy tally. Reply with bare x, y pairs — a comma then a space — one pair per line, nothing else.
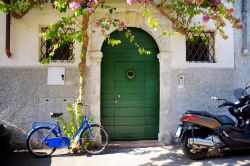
239, 92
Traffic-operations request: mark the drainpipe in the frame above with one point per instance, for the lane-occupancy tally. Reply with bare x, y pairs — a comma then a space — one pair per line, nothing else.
244, 33
7, 44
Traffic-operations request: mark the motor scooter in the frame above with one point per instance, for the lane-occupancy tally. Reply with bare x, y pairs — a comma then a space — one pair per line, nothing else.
202, 131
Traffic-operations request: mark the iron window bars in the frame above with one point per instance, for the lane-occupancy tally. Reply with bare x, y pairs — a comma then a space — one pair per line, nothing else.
200, 47
64, 53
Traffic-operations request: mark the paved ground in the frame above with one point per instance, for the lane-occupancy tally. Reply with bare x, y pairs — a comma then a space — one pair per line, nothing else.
128, 156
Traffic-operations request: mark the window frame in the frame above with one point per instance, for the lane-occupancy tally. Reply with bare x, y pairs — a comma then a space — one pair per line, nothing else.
211, 47
44, 50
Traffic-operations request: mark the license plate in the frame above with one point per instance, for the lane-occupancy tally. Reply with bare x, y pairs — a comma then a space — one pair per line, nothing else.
178, 132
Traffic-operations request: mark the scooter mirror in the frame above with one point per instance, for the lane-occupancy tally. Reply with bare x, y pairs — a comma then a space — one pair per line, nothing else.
239, 92
247, 85
214, 98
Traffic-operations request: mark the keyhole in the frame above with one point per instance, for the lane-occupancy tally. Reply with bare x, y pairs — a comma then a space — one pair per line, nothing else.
130, 73
62, 76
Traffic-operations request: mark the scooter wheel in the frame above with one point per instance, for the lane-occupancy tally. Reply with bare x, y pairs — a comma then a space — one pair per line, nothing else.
192, 152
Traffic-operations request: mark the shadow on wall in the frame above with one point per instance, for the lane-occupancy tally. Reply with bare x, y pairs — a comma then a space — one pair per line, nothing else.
18, 142
18, 136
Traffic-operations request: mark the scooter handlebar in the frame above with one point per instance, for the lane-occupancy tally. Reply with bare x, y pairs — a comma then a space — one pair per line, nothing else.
230, 104
227, 104
221, 106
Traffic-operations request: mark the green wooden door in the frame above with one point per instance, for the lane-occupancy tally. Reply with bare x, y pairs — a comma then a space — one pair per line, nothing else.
130, 89
129, 100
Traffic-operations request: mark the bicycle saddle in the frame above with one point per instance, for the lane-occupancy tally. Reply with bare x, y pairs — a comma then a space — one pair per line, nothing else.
55, 115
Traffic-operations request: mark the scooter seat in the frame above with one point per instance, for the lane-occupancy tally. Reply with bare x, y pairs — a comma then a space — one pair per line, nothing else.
223, 119
55, 115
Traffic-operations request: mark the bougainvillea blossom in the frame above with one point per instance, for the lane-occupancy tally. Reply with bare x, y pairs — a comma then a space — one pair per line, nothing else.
206, 18
83, 4
74, 5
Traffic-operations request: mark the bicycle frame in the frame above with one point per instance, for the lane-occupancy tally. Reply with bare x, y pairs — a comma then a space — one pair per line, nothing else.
59, 140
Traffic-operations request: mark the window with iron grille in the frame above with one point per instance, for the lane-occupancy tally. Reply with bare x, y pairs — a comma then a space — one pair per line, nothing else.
64, 53
200, 47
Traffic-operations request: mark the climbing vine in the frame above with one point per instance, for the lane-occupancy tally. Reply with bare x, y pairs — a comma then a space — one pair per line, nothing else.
193, 15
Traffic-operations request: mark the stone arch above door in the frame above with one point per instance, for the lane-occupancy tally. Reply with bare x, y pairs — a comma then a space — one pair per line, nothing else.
163, 43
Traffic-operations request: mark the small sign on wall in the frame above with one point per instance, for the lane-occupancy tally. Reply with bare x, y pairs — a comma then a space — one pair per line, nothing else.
56, 75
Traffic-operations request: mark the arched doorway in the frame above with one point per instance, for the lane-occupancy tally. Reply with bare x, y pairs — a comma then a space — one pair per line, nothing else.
130, 88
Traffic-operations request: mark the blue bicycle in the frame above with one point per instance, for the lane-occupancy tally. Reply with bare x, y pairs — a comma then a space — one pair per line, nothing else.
45, 137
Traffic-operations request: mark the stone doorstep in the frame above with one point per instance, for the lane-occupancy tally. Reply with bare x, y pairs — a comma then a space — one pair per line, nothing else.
135, 144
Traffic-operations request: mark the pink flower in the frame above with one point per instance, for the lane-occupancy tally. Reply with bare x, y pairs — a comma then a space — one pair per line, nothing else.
131, 2
105, 33
230, 11
108, 22
97, 24
241, 25
206, 18
94, 1
121, 26
199, 2
88, 9
188, 2
74, 5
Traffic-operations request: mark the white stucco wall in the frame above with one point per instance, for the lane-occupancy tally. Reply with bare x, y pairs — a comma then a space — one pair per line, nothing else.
2, 37
25, 40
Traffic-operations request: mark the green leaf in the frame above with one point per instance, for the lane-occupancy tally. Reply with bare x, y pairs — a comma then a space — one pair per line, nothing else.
110, 11
127, 33
147, 12
81, 56
148, 52
77, 12
141, 50
113, 42
153, 23
132, 39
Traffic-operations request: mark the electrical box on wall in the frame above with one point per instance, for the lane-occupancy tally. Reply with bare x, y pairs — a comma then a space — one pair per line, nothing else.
56, 75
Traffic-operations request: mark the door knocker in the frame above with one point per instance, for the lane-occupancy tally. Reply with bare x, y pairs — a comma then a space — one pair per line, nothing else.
130, 74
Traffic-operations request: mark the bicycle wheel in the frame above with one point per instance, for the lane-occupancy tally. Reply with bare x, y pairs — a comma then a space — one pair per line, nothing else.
36, 145
97, 143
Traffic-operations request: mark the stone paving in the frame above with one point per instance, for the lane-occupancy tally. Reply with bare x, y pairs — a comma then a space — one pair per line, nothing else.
126, 156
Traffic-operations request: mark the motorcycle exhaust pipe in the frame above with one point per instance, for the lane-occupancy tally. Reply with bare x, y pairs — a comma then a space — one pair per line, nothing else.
200, 142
